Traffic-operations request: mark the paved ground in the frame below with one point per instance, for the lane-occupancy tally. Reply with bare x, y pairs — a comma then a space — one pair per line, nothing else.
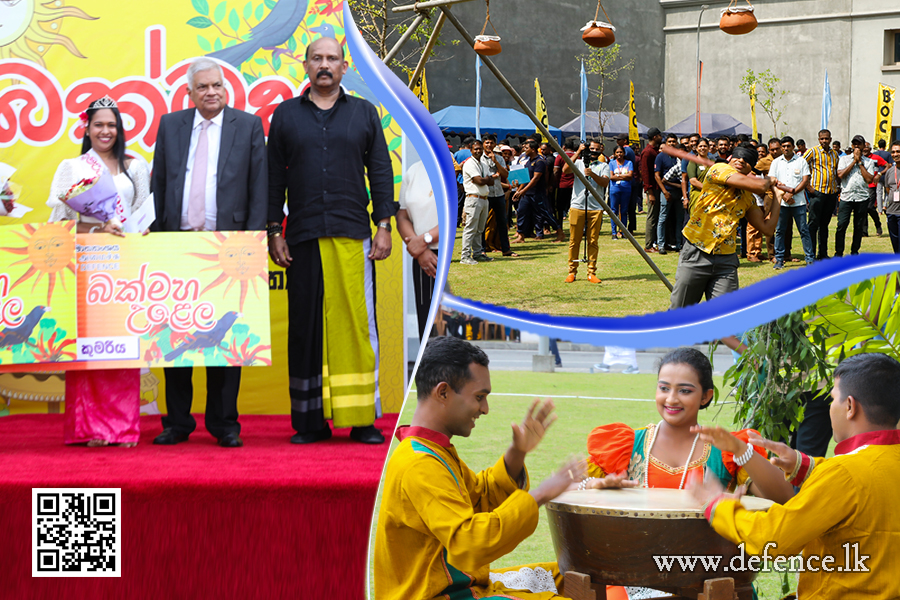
580, 358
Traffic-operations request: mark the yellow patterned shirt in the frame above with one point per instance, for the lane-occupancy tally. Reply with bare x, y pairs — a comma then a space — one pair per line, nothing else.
713, 222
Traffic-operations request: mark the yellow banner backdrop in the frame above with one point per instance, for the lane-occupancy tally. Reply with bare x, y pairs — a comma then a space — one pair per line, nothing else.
884, 120
56, 57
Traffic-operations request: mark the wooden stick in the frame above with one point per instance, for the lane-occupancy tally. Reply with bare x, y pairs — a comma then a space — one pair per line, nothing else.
681, 154
435, 33
420, 5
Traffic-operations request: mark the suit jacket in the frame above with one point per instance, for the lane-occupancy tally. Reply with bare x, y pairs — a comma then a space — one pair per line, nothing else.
242, 187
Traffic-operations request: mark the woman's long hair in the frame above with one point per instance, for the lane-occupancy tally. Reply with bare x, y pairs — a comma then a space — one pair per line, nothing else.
118, 148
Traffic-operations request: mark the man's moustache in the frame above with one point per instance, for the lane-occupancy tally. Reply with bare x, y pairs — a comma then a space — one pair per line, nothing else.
326, 72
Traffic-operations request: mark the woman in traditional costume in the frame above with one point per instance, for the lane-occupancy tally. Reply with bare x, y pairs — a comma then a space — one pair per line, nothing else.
102, 406
671, 452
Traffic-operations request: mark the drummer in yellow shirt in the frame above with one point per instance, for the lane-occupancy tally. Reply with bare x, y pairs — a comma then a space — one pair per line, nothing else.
440, 524
844, 518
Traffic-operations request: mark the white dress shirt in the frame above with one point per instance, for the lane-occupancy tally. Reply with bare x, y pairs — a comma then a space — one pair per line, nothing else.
417, 198
791, 173
213, 138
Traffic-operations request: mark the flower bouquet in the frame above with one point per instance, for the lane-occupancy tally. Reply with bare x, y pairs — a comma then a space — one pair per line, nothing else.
9, 191
93, 197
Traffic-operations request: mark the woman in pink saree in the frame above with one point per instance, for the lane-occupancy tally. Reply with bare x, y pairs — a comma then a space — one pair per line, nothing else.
102, 406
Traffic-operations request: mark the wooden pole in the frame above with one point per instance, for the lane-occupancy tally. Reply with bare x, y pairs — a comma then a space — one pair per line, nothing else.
552, 141
404, 38
430, 4
427, 51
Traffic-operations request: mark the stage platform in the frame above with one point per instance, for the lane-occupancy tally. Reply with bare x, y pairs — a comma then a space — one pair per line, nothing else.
269, 520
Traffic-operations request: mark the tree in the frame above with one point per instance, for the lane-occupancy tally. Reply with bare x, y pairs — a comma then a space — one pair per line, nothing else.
602, 62
382, 28
798, 352
764, 89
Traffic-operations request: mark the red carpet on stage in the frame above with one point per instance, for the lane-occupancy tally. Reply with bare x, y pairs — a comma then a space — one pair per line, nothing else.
269, 520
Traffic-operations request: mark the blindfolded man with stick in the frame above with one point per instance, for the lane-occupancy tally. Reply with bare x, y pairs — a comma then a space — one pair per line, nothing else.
708, 262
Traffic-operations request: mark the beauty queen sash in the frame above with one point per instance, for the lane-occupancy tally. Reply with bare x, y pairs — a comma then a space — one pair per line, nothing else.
93, 161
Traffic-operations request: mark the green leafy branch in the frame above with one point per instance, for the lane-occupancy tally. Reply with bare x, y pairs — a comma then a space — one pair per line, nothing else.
605, 63
796, 354
765, 90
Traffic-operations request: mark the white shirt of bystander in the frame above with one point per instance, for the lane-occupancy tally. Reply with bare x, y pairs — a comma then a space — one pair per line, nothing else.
791, 173
473, 168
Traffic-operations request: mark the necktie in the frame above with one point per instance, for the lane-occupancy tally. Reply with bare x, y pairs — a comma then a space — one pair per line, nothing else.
197, 197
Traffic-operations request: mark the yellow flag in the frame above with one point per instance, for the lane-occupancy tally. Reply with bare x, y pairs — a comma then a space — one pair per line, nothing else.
632, 119
421, 89
540, 106
753, 110
884, 119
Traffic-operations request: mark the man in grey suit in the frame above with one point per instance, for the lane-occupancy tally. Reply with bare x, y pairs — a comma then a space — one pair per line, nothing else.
209, 174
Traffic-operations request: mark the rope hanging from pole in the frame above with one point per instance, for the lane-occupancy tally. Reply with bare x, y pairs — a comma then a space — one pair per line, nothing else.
599, 34
487, 45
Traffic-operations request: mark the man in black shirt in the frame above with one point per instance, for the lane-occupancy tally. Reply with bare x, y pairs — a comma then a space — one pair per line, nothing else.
321, 145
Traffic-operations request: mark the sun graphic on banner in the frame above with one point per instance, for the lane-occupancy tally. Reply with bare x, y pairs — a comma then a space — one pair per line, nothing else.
50, 248
28, 29
241, 257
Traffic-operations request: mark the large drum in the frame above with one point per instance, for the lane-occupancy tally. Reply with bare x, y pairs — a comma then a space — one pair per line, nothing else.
614, 535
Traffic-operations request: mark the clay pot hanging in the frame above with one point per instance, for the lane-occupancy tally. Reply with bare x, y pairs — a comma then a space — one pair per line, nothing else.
738, 20
598, 33
487, 45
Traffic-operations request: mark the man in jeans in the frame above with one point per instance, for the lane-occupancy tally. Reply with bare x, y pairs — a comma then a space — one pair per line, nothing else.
823, 191
793, 171
670, 201
856, 173
651, 188
476, 183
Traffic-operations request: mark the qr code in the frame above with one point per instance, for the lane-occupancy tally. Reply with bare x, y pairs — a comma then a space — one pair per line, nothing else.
76, 532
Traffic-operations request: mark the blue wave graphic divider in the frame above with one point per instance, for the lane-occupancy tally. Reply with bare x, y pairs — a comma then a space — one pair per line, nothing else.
425, 136
729, 314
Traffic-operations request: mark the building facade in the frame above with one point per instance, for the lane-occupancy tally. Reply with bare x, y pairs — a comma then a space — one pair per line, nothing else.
856, 41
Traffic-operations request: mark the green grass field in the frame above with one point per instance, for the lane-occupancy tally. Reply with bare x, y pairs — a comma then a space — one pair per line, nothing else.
578, 415
534, 282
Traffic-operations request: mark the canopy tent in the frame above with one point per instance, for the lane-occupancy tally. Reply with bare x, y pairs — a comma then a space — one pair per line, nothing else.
501, 121
711, 124
614, 124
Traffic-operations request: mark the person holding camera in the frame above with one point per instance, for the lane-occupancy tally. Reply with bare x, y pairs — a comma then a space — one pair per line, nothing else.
584, 213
